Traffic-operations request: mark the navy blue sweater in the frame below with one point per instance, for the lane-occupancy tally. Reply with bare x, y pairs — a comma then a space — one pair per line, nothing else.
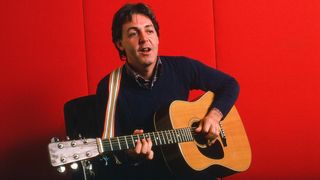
178, 75
136, 106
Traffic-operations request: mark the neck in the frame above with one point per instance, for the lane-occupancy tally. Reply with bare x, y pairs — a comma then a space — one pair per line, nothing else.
145, 71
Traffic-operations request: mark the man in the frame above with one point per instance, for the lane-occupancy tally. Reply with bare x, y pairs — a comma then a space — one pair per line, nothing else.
148, 82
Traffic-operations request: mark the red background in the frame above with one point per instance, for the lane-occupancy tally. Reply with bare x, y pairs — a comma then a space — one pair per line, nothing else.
52, 52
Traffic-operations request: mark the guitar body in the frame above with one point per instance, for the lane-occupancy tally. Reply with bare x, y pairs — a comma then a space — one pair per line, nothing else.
195, 157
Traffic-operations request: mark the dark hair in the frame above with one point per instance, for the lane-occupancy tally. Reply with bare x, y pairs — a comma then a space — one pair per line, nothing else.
123, 15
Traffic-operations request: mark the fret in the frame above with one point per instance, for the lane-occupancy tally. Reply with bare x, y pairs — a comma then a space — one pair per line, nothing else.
176, 134
110, 145
155, 139
141, 136
190, 134
133, 142
163, 138
114, 143
182, 135
159, 137
170, 136
185, 135
173, 134
119, 143
148, 136
125, 139
165, 132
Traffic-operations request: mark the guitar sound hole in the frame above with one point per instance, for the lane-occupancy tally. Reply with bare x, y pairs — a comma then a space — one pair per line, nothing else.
215, 151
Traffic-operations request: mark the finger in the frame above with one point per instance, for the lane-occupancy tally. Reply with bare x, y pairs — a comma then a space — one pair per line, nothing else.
217, 131
138, 131
211, 130
211, 136
150, 155
199, 128
149, 142
145, 146
138, 147
206, 127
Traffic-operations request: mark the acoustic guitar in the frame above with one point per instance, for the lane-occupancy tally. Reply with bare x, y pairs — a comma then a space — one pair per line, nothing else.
184, 151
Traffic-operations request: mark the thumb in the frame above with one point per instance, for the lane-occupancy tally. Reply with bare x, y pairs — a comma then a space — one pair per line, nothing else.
199, 128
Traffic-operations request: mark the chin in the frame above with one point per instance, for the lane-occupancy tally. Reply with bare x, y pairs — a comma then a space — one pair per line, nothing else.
149, 60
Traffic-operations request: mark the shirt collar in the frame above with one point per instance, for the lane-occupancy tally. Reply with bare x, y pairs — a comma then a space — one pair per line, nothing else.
145, 83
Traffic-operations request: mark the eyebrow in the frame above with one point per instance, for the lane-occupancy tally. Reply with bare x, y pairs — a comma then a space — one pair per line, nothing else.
136, 28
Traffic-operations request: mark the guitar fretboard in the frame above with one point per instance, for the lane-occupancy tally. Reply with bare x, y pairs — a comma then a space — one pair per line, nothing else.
158, 138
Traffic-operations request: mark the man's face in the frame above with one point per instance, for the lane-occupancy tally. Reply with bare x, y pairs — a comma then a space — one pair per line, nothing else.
140, 42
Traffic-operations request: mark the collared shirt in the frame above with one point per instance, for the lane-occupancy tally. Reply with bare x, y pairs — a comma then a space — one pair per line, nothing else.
145, 83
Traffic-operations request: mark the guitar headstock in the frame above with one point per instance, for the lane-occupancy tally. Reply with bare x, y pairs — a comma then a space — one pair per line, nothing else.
66, 152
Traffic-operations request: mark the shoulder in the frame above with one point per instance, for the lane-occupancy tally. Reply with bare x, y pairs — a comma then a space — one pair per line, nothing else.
103, 83
177, 60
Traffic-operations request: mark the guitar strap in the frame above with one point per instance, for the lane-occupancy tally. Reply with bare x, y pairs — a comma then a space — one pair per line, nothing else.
114, 86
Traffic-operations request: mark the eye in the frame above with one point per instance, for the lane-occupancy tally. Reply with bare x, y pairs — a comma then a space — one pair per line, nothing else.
150, 31
132, 34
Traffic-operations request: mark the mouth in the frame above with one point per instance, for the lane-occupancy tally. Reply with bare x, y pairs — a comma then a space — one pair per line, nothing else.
145, 50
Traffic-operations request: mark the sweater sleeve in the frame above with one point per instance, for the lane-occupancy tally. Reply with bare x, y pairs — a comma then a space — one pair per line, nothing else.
201, 76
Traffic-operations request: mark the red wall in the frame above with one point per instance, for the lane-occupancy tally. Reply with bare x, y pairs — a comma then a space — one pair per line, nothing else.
52, 52
273, 48
42, 66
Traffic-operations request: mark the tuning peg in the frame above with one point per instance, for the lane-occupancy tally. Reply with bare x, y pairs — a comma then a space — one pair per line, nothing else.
54, 139
61, 169
80, 136
74, 166
67, 138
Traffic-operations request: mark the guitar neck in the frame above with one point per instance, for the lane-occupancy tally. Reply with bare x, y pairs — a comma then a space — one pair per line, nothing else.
158, 138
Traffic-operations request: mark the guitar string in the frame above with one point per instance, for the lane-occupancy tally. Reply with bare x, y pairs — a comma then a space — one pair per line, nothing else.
122, 141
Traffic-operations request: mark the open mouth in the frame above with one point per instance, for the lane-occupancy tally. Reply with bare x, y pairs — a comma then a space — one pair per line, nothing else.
145, 50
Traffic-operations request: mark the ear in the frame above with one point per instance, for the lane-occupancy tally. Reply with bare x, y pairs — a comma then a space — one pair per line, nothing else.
119, 45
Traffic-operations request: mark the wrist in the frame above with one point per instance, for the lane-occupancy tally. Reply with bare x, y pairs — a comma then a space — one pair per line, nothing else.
217, 113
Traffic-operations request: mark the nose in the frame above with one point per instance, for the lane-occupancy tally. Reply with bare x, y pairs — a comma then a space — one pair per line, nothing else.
143, 37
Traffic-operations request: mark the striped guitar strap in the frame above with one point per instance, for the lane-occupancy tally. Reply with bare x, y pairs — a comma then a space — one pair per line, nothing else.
114, 86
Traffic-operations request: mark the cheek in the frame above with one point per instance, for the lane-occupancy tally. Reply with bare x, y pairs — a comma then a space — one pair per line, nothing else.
130, 50
155, 41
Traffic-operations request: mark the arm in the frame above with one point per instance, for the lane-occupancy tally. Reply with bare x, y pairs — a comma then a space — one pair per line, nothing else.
225, 88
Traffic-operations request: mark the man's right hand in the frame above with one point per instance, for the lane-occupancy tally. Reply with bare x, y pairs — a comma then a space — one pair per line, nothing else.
143, 147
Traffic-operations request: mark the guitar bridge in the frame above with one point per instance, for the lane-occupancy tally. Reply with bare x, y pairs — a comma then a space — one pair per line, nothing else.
223, 136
